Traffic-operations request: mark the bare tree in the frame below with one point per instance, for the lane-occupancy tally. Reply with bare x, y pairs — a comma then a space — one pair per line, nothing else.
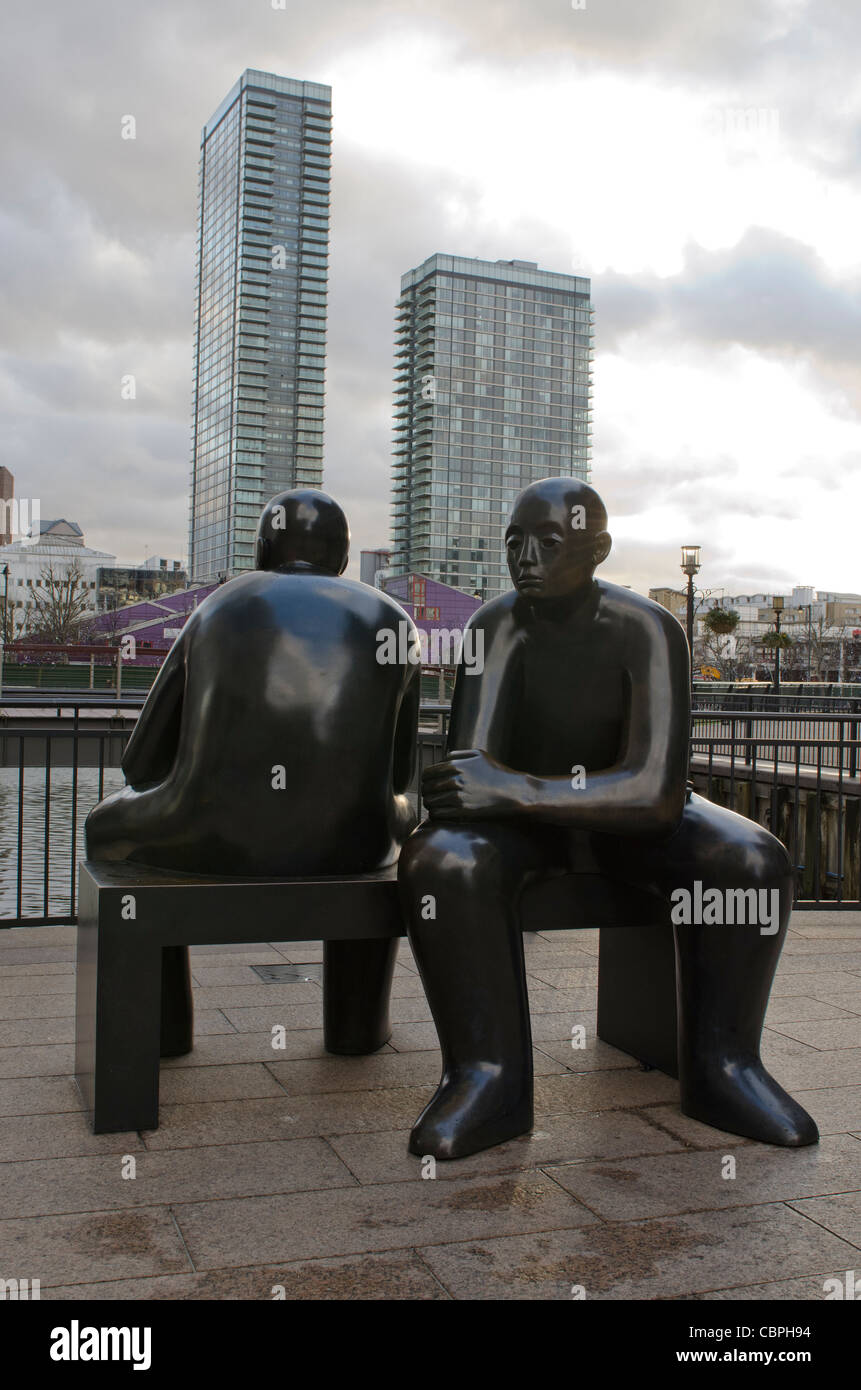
821, 646
58, 605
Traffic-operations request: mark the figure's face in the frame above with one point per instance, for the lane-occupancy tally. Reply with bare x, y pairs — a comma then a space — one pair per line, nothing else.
550, 552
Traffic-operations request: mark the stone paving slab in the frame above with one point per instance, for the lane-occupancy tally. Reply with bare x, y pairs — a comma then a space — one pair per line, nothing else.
809, 1288
229, 957
39, 1095
550, 1027
94, 1245
691, 1132
221, 1049
797, 1008
399, 1275
671, 1257
831, 925
595, 1056
206, 1123
617, 1089
825, 1034
99, 1183
675, 1183
819, 983
839, 1068
17, 938
836, 1109
61, 1005
59, 1136
35, 955
217, 1082
385, 1216
52, 1059
383, 1070
384, 1157
259, 995
28, 1032
850, 1000
26, 982
840, 1214
347, 1112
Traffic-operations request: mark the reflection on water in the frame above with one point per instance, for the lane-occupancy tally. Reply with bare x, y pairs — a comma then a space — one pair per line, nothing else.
33, 840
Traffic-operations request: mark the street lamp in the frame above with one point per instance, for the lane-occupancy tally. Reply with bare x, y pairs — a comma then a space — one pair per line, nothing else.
691, 567
5, 613
777, 605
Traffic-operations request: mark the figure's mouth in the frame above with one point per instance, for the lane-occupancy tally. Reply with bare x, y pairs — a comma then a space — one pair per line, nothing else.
529, 581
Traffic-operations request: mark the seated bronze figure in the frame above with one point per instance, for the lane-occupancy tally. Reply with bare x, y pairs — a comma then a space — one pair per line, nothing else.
573, 742
275, 743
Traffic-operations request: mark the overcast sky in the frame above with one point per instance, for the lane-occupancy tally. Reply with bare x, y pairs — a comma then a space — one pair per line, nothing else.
698, 159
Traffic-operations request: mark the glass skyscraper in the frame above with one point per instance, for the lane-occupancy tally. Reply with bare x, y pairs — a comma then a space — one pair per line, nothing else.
493, 364
260, 317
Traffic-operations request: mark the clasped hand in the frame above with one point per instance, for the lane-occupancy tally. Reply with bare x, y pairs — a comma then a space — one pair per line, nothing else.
470, 784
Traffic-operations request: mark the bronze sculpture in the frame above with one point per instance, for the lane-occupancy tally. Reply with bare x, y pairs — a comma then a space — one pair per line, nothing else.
275, 743
576, 732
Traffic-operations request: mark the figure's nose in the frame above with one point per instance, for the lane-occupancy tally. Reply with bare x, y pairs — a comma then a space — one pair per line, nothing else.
528, 554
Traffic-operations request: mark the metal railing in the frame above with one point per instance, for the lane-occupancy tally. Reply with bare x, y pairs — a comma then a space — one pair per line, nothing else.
827, 739
60, 756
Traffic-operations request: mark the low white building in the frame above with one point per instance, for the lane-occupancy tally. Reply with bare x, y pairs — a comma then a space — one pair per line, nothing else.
58, 551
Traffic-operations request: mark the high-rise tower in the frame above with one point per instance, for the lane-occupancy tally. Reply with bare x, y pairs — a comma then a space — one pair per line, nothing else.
260, 318
492, 391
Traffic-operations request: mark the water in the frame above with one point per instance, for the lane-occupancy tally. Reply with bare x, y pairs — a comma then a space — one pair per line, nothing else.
33, 841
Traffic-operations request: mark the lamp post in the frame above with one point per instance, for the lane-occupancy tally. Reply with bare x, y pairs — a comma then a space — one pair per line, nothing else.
5, 613
777, 605
691, 567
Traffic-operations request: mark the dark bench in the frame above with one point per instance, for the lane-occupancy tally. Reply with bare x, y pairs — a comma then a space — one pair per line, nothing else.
119, 959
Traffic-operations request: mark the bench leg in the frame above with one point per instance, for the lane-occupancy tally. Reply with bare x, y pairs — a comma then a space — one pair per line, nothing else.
177, 1005
118, 1024
357, 984
637, 994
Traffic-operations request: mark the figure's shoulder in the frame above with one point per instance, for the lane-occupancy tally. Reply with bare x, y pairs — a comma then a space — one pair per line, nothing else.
495, 613
638, 610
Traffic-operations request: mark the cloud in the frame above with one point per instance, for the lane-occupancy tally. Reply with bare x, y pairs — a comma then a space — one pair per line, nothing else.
578, 138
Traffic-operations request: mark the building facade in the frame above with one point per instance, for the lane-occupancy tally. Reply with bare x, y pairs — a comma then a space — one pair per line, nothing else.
260, 313
55, 572
374, 567
493, 364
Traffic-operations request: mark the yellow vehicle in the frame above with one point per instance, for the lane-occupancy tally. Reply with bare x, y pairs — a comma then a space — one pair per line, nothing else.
709, 673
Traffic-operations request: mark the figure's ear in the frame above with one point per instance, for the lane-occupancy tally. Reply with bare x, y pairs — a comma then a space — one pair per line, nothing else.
602, 548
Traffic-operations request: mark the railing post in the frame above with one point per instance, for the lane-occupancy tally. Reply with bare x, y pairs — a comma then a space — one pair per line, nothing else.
119, 673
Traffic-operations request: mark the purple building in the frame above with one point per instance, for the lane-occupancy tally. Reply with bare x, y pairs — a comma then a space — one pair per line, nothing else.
434, 607
154, 623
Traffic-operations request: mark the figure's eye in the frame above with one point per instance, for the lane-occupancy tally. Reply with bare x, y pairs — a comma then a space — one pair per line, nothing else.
549, 542
512, 540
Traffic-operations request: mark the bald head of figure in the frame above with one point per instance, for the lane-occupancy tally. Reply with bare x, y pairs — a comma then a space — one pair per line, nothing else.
556, 538
303, 529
